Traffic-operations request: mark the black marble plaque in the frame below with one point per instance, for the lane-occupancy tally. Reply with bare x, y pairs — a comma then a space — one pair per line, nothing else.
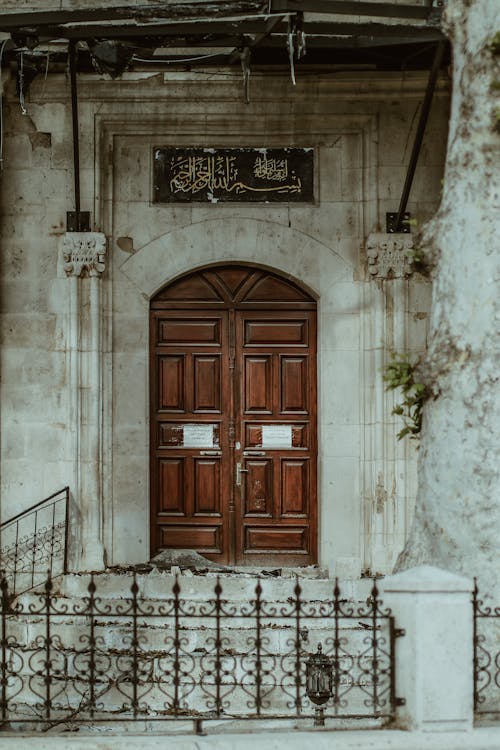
218, 175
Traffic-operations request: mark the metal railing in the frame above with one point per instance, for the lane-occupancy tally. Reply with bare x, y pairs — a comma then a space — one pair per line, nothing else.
125, 658
486, 630
35, 542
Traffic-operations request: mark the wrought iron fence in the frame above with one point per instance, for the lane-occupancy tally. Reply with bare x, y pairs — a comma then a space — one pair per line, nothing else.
486, 657
96, 659
34, 542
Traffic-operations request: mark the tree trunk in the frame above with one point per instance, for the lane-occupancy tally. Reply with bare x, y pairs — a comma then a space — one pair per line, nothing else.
457, 517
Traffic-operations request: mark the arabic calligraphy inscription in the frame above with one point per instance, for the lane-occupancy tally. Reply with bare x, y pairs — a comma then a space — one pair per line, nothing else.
244, 174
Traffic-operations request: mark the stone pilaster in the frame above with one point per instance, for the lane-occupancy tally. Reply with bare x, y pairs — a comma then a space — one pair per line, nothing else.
83, 256
387, 504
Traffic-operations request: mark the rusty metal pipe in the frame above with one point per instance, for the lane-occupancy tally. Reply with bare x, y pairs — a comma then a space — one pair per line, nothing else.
419, 135
76, 139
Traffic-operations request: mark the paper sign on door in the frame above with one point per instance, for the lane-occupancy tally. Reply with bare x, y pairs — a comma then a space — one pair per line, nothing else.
198, 436
276, 435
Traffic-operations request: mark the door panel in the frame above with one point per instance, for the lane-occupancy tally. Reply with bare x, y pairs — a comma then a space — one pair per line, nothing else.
294, 487
233, 418
172, 434
272, 540
201, 538
176, 332
271, 501
274, 333
171, 383
258, 489
258, 384
258, 435
207, 383
294, 384
171, 485
190, 462
207, 486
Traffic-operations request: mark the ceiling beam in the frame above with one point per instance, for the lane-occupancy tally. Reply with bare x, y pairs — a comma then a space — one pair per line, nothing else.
234, 45
354, 42
202, 29
357, 8
211, 8
339, 28
214, 8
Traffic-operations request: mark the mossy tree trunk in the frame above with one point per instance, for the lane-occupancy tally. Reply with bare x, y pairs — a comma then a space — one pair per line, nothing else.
457, 518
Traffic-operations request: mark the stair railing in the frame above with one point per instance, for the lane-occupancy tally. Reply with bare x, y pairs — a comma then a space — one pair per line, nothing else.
35, 542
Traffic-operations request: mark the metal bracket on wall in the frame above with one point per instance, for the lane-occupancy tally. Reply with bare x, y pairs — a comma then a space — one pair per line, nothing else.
391, 223
78, 221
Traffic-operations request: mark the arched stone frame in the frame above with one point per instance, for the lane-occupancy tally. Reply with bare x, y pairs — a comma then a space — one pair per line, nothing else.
330, 279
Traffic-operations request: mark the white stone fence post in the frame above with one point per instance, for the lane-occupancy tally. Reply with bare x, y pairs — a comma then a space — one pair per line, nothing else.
434, 659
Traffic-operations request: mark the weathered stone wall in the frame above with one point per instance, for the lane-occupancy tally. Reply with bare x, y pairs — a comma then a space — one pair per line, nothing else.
35, 183
362, 127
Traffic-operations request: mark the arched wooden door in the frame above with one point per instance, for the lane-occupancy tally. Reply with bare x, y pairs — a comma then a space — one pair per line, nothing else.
233, 418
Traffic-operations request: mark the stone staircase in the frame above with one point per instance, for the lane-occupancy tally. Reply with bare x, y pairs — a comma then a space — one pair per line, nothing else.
162, 645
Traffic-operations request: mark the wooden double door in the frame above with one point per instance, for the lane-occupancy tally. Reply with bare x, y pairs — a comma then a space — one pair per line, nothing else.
233, 418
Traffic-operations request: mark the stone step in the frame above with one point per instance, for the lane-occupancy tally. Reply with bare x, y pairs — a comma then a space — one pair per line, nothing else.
158, 586
277, 638
197, 615
155, 616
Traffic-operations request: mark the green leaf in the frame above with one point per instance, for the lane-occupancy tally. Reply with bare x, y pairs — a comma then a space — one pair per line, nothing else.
405, 431
400, 373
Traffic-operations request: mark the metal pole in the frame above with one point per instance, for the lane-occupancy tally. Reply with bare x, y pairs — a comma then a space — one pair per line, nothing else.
66, 529
74, 114
419, 135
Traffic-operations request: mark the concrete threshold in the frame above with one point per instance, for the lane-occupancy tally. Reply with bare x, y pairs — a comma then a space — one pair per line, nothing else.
483, 738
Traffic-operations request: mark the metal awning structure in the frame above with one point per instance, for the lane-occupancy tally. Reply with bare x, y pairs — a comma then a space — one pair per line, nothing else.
359, 34
386, 35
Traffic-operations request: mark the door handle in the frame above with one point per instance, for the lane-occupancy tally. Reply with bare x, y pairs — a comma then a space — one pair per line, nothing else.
239, 472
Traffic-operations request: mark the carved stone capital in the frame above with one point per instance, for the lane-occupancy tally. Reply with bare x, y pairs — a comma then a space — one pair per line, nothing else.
390, 255
84, 253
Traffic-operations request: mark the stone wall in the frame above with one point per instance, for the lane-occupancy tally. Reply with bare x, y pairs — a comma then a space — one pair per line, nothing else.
362, 128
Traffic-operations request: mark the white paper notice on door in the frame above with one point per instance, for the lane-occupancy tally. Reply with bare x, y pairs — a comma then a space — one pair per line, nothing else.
198, 436
276, 435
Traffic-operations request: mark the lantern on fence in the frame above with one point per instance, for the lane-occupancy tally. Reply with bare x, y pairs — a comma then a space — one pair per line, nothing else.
319, 680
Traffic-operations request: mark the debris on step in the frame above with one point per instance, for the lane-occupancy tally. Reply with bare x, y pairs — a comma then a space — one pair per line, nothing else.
186, 558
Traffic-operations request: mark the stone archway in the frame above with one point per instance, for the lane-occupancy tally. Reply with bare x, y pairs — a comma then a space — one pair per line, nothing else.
293, 255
